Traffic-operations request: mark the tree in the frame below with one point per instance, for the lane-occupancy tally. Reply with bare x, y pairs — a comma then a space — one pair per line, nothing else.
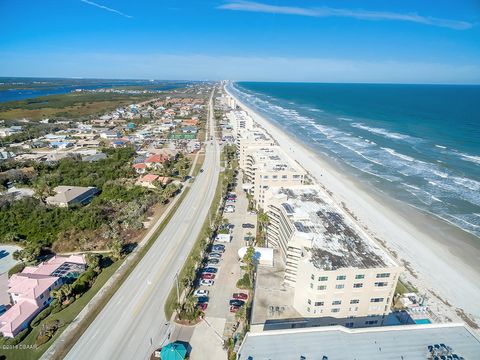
116, 247
67, 291
190, 307
58, 295
93, 261
169, 190
249, 258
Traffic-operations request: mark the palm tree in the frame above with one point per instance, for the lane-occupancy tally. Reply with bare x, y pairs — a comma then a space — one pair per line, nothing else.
58, 295
67, 291
190, 306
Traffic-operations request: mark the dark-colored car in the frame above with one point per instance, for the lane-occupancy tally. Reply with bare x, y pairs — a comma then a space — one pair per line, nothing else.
218, 248
213, 261
248, 226
211, 270
201, 170
215, 255
236, 302
202, 300
240, 296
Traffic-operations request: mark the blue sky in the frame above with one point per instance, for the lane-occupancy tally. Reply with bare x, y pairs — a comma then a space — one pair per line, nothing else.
406, 41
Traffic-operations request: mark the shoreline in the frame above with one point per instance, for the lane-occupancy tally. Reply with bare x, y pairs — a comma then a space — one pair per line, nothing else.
440, 260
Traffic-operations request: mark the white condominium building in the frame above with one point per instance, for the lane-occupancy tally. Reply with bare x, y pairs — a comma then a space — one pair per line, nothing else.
239, 120
335, 268
249, 140
270, 166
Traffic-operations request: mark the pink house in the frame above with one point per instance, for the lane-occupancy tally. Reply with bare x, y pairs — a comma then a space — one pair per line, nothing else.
30, 290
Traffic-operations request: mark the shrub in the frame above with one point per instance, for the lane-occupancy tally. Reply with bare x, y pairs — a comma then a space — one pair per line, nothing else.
244, 282
16, 269
42, 339
42, 315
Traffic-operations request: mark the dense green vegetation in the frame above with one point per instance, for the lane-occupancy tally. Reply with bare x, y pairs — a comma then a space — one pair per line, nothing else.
113, 215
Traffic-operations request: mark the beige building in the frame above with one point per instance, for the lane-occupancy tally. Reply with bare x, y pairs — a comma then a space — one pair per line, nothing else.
335, 269
269, 166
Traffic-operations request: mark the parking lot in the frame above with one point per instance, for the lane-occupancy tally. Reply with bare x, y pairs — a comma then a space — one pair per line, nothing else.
229, 266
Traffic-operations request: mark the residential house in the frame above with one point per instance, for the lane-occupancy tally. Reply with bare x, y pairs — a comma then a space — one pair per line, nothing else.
67, 196
30, 290
149, 180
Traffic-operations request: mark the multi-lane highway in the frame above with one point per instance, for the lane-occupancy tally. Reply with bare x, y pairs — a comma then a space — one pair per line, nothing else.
133, 322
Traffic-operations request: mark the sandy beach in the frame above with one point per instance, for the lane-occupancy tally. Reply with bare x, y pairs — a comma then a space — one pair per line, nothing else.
440, 260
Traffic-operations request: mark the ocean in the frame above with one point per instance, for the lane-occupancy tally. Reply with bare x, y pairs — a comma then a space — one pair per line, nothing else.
416, 143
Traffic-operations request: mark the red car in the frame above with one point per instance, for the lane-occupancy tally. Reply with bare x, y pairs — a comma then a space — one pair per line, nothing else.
208, 276
234, 309
202, 306
240, 296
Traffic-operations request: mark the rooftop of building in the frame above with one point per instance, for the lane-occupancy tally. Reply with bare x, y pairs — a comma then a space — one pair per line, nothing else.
274, 159
408, 342
336, 241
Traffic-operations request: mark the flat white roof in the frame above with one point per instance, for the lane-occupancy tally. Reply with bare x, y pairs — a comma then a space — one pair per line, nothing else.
407, 342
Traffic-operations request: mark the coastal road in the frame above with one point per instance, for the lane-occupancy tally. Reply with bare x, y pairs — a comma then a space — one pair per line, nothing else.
133, 324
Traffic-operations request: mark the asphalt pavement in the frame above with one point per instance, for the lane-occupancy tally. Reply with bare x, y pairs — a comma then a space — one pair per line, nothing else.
133, 324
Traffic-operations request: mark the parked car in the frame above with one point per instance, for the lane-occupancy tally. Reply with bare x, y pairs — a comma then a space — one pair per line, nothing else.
229, 209
202, 306
210, 270
252, 212
240, 296
213, 261
230, 200
200, 292
215, 255
202, 300
218, 248
234, 309
206, 282
248, 226
237, 302
207, 276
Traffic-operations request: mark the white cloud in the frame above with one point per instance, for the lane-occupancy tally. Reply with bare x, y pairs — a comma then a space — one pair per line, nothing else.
106, 8
239, 5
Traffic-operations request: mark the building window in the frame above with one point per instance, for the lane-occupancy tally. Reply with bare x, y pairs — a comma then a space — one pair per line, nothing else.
349, 325
311, 286
371, 322
309, 302
284, 176
41, 296
383, 275
296, 176
308, 309
358, 285
341, 277
312, 277
319, 303
360, 277
274, 177
337, 302
354, 301
323, 278
335, 310
381, 284
339, 286
375, 300
321, 287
